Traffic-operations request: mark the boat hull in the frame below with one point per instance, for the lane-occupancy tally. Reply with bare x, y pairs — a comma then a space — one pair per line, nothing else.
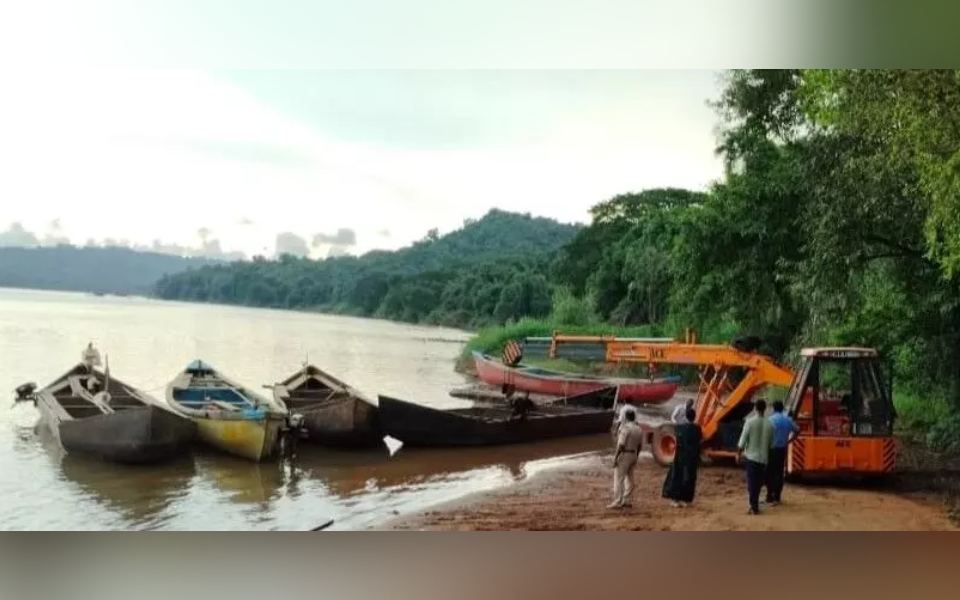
559, 384
253, 439
350, 422
133, 435
417, 425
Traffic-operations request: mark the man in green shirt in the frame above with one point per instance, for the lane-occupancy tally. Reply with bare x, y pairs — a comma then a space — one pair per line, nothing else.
754, 446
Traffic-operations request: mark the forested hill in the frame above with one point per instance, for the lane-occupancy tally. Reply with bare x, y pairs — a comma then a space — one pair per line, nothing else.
490, 270
497, 235
106, 270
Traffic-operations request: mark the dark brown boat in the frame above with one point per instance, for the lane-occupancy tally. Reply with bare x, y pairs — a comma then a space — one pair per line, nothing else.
418, 425
334, 413
89, 412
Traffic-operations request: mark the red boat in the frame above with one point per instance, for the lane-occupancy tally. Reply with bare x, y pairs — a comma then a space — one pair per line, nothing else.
556, 383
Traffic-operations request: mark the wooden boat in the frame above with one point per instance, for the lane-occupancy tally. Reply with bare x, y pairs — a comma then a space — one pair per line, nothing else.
229, 417
418, 425
555, 383
90, 412
333, 412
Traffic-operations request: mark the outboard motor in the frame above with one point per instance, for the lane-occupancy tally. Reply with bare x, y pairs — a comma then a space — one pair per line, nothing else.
295, 423
292, 432
26, 393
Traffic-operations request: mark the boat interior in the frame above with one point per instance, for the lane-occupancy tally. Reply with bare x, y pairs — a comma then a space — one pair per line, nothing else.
225, 397
73, 393
313, 391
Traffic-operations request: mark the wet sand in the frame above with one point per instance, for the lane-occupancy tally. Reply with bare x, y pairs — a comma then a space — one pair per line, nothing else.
574, 496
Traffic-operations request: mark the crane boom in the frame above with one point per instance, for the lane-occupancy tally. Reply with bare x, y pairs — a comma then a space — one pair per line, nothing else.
718, 394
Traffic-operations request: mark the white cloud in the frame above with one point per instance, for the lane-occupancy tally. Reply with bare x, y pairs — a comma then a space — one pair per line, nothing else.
343, 237
16, 235
292, 244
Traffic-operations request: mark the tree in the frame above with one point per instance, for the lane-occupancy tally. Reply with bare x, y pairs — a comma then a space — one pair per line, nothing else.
510, 304
911, 118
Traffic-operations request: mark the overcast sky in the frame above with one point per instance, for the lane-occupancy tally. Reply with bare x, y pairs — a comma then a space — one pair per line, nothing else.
342, 160
186, 124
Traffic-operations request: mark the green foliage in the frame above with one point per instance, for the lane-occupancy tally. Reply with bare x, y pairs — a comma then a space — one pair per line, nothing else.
570, 310
944, 434
912, 119
623, 260
919, 411
490, 271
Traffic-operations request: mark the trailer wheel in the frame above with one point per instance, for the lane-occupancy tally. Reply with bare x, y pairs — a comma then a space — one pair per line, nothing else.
664, 445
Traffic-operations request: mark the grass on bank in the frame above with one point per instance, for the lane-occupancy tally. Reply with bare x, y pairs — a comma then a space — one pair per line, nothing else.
929, 419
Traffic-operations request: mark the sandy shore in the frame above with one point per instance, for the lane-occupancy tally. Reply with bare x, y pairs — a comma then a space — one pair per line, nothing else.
574, 497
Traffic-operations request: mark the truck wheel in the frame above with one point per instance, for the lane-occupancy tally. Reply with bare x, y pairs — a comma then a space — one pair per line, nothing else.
664, 445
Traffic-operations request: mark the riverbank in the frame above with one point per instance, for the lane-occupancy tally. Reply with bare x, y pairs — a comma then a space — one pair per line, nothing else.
574, 496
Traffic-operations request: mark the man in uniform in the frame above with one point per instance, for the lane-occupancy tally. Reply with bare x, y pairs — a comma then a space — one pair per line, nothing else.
620, 408
629, 441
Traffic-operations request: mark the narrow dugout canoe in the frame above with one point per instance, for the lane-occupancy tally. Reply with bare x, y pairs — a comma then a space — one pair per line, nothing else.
418, 425
334, 413
89, 412
556, 383
228, 416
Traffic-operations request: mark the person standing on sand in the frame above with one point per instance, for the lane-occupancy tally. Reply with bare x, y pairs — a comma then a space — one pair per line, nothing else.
680, 485
754, 445
629, 441
620, 409
783, 431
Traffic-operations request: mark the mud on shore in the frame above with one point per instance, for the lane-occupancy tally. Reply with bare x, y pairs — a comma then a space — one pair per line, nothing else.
575, 496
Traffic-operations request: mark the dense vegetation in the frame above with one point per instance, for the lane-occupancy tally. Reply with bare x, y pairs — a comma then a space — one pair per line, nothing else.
837, 222
489, 271
105, 270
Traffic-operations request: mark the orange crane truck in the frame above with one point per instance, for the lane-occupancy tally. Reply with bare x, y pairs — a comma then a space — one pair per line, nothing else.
838, 397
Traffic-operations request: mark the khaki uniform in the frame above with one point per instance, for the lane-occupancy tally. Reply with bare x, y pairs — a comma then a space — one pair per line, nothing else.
630, 437
618, 419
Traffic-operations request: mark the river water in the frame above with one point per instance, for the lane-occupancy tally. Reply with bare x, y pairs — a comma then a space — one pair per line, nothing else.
148, 341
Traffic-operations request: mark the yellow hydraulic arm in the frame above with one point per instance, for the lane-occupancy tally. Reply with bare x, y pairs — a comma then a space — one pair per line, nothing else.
717, 395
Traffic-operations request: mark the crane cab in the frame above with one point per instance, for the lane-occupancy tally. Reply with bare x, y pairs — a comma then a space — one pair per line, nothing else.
844, 409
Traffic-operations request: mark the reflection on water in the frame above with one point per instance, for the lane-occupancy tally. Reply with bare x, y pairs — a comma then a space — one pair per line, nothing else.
140, 495
350, 472
41, 334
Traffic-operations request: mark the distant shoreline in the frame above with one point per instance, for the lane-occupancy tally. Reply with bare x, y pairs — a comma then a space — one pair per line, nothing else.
246, 306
